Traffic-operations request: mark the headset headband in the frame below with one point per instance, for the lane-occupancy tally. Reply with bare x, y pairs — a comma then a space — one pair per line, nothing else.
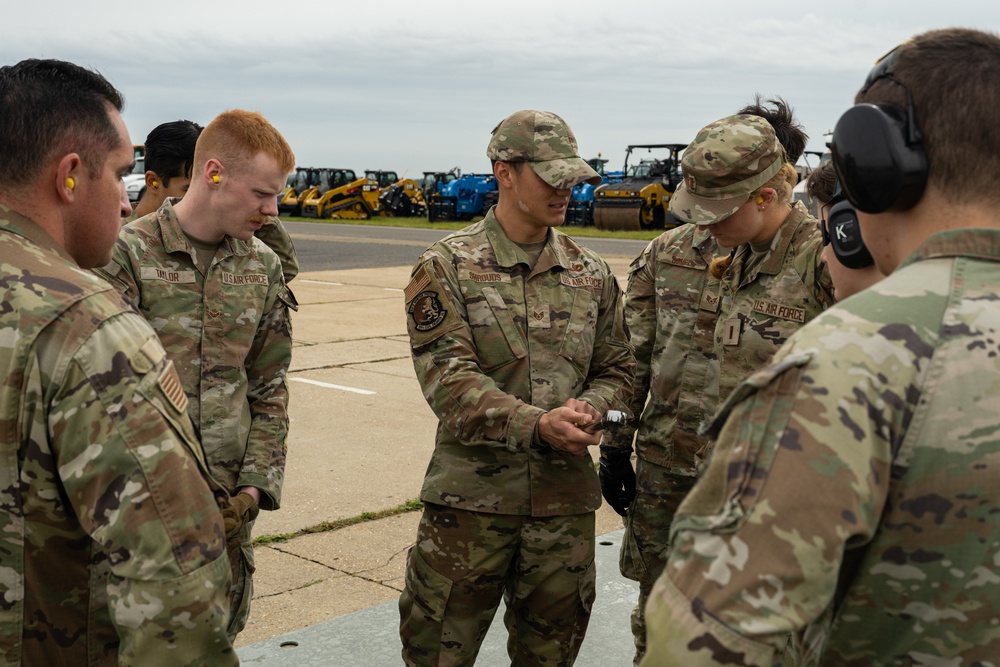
883, 70
877, 148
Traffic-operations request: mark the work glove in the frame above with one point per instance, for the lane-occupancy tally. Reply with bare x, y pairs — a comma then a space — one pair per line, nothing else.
241, 510
617, 477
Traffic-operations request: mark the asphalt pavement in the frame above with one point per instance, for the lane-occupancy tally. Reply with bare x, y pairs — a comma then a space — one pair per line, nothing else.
336, 247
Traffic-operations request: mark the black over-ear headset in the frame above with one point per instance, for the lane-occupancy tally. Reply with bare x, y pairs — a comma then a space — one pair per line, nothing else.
841, 230
877, 149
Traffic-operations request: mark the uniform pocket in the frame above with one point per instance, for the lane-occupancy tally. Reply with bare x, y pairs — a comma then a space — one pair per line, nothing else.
578, 337
588, 588
428, 590
630, 562
498, 342
587, 584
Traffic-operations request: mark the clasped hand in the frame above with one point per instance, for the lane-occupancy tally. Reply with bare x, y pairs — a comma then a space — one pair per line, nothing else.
563, 427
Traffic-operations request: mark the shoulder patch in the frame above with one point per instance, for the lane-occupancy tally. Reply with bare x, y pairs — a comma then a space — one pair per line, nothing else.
418, 282
426, 310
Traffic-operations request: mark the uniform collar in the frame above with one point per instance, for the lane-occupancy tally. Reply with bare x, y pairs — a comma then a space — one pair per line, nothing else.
782, 239
506, 251
16, 223
978, 243
704, 243
175, 240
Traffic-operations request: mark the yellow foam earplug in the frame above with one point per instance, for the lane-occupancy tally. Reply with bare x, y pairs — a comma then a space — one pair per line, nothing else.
760, 200
155, 183
70, 183
215, 178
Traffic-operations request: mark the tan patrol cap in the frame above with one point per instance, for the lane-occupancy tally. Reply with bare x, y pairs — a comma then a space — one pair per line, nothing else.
544, 141
727, 161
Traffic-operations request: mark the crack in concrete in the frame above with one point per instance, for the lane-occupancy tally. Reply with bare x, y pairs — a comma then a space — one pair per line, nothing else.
350, 340
349, 364
356, 575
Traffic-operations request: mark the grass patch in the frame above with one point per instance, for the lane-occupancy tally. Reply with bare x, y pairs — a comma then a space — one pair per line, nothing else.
327, 526
422, 223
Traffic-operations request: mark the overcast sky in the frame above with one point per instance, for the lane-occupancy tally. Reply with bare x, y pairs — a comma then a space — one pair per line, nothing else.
416, 86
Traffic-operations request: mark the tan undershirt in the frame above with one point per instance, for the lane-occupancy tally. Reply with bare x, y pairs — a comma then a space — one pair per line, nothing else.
533, 251
205, 252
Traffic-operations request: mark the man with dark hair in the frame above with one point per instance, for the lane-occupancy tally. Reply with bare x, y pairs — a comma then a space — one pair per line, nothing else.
519, 343
217, 299
848, 513
169, 159
113, 547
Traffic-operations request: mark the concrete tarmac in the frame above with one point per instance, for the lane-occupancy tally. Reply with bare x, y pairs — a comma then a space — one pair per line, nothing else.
361, 436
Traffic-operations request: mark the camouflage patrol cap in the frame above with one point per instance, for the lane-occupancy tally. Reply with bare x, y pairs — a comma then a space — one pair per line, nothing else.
727, 161
544, 141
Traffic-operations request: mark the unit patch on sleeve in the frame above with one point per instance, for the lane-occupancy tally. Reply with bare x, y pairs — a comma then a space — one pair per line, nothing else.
426, 310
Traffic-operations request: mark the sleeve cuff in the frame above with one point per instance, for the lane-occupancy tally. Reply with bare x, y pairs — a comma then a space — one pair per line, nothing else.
523, 428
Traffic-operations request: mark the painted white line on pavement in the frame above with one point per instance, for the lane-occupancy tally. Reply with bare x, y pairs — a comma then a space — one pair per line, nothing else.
318, 282
333, 386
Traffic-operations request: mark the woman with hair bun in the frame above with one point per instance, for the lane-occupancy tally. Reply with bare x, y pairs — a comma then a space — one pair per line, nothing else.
708, 303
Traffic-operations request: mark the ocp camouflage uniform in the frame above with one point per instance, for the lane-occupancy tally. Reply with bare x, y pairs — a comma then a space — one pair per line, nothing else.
112, 541
695, 338
275, 236
230, 337
848, 513
495, 345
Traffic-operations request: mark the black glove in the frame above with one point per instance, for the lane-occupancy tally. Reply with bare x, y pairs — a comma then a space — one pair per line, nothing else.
617, 477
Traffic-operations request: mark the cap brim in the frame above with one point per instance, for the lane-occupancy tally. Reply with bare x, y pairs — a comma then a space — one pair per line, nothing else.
702, 210
564, 173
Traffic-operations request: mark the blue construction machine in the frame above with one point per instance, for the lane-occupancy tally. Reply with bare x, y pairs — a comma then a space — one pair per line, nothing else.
463, 198
580, 211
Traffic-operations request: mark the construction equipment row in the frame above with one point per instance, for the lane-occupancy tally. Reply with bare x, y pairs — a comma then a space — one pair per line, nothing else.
323, 192
635, 198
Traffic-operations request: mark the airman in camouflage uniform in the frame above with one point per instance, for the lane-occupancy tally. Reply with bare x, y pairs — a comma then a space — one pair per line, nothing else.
222, 314
697, 334
169, 162
848, 513
518, 341
113, 546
